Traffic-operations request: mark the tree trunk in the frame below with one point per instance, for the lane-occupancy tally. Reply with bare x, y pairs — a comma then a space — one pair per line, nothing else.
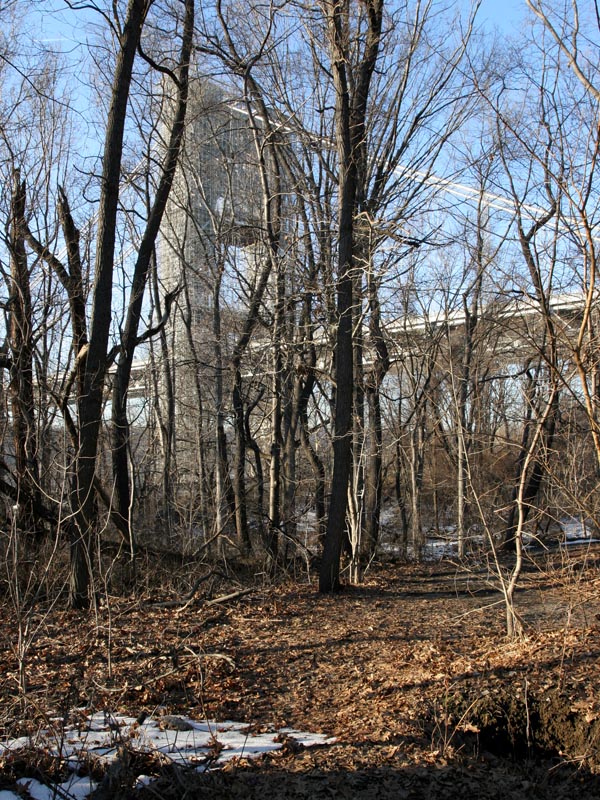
164, 407
259, 472
93, 366
352, 91
374, 471
416, 482
129, 339
21, 391
239, 474
374, 378
221, 465
276, 416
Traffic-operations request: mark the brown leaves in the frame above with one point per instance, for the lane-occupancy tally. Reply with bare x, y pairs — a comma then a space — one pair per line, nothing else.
377, 666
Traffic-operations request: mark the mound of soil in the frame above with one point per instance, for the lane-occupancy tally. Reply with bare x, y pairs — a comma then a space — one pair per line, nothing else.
411, 672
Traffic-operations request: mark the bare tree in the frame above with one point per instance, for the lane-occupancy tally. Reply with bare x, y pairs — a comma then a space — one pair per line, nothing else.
34, 133
91, 345
21, 386
130, 338
352, 80
570, 30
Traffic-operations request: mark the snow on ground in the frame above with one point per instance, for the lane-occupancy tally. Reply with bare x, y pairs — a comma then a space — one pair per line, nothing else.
577, 530
179, 740
441, 543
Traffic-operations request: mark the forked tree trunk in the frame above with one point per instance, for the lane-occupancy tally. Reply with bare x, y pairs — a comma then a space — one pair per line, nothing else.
130, 337
93, 366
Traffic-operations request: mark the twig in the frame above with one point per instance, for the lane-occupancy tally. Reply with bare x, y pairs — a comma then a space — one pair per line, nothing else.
226, 597
477, 610
184, 601
184, 665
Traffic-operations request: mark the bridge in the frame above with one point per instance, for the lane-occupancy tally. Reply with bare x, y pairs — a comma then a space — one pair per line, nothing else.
510, 314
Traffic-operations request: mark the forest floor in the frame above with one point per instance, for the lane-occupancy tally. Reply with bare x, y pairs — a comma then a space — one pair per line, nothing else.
411, 672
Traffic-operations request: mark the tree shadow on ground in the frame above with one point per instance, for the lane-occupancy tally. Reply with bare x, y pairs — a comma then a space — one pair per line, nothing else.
486, 778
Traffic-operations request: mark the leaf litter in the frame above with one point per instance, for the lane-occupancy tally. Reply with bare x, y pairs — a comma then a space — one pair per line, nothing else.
408, 678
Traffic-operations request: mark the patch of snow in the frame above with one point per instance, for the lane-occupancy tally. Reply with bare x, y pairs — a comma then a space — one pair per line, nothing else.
388, 515
568, 532
439, 549
201, 744
577, 530
75, 788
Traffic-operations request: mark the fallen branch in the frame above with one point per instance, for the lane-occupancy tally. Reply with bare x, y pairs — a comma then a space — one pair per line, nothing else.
185, 601
225, 598
217, 656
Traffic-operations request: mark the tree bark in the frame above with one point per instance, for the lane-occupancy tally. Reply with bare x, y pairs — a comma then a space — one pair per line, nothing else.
352, 92
129, 339
93, 366
21, 389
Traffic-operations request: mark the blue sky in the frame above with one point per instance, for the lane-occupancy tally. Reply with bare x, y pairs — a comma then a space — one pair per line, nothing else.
59, 30
505, 15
